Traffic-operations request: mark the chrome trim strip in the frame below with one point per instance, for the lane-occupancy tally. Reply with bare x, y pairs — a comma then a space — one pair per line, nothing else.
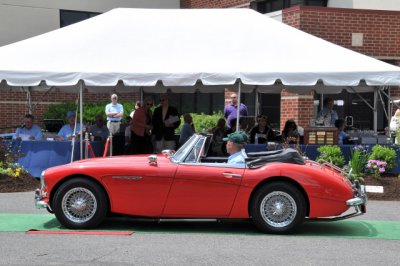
127, 177
232, 175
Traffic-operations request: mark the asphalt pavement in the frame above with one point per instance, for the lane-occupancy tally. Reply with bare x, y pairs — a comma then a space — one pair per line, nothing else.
194, 248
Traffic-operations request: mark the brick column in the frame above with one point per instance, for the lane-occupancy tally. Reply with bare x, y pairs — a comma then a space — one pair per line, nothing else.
299, 107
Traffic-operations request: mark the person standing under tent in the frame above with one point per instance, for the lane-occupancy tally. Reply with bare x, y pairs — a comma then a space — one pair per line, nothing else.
114, 112
28, 131
165, 120
327, 114
68, 131
187, 130
138, 104
141, 127
230, 110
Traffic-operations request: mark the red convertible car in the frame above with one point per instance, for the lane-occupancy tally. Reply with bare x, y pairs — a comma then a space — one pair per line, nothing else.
278, 190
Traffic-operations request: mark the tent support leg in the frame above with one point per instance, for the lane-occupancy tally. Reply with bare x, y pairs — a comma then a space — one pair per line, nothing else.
81, 116
238, 109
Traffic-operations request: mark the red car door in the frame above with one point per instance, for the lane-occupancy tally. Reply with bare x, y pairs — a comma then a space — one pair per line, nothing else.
200, 190
140, 190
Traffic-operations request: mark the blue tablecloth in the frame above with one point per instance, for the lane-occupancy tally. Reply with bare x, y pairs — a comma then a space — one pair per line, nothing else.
40, 155
311, 151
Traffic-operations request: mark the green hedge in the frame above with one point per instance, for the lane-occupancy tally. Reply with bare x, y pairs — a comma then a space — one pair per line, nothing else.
90, 110
202, 121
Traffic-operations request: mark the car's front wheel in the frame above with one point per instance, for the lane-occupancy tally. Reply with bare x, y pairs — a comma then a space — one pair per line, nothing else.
80, 203
278, 208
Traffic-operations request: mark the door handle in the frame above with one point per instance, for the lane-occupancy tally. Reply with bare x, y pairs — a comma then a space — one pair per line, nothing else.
231, 175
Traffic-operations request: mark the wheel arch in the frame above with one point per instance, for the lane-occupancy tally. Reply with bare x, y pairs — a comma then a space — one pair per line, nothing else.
273, 179
67, 178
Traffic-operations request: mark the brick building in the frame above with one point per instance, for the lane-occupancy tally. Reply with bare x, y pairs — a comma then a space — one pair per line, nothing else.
375, 33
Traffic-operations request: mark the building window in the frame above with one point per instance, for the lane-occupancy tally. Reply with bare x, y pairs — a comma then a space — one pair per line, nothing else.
68, 17
267, 6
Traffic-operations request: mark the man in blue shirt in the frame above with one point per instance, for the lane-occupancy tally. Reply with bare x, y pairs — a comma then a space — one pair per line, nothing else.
235, 147
28, 131
114, 112
230, 111
343, 137
327, 114
68, 131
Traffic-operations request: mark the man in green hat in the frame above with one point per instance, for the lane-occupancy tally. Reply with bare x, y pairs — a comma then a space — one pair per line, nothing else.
234, 146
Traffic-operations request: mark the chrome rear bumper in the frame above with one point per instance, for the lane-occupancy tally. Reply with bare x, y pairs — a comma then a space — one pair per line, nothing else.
359, 202
360, 197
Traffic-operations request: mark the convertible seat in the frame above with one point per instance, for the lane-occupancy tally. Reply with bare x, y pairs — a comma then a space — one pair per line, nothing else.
289, 155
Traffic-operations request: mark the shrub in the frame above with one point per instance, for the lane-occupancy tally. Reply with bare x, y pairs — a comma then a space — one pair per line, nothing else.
202, 121
385, 154
332, 154
90, 110
358, 162
376, 167
8, 157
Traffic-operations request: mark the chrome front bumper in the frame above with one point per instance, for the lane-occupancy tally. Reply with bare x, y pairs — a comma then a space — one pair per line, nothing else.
39, 203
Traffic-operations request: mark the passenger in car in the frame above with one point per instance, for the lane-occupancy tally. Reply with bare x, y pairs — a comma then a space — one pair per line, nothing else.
235, 147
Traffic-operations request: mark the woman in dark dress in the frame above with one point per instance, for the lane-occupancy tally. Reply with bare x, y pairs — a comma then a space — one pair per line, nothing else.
290, 134
261, 133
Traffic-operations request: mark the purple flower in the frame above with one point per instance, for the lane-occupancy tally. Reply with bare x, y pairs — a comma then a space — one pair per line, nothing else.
381, 170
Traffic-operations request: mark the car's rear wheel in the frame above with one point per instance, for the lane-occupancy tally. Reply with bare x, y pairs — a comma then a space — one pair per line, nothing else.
278, 207
80, 203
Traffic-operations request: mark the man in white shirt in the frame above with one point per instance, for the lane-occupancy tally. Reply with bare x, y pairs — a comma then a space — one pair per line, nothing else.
114, 112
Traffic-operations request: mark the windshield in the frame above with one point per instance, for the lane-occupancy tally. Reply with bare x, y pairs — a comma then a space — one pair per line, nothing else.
184, 149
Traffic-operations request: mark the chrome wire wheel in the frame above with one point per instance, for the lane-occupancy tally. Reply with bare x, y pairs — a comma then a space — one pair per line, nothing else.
278, 209
79, 205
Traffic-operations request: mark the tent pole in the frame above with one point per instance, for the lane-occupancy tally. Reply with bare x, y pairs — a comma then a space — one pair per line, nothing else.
257, 104
321, 101
383, 104
81, 116
390, 106
238, 109
29, 98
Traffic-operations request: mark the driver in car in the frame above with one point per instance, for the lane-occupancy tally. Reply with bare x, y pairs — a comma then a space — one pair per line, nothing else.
235, 147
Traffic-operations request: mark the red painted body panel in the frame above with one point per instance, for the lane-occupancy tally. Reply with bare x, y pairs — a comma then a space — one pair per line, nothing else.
181, 190
203, 191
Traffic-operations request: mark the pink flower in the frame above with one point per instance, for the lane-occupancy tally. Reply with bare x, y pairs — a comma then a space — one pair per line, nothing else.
381, 170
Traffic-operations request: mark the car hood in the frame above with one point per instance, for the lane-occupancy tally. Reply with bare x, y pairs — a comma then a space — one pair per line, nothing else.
108, 163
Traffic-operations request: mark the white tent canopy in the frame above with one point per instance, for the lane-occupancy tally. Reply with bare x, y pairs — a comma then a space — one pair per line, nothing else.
182, 48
